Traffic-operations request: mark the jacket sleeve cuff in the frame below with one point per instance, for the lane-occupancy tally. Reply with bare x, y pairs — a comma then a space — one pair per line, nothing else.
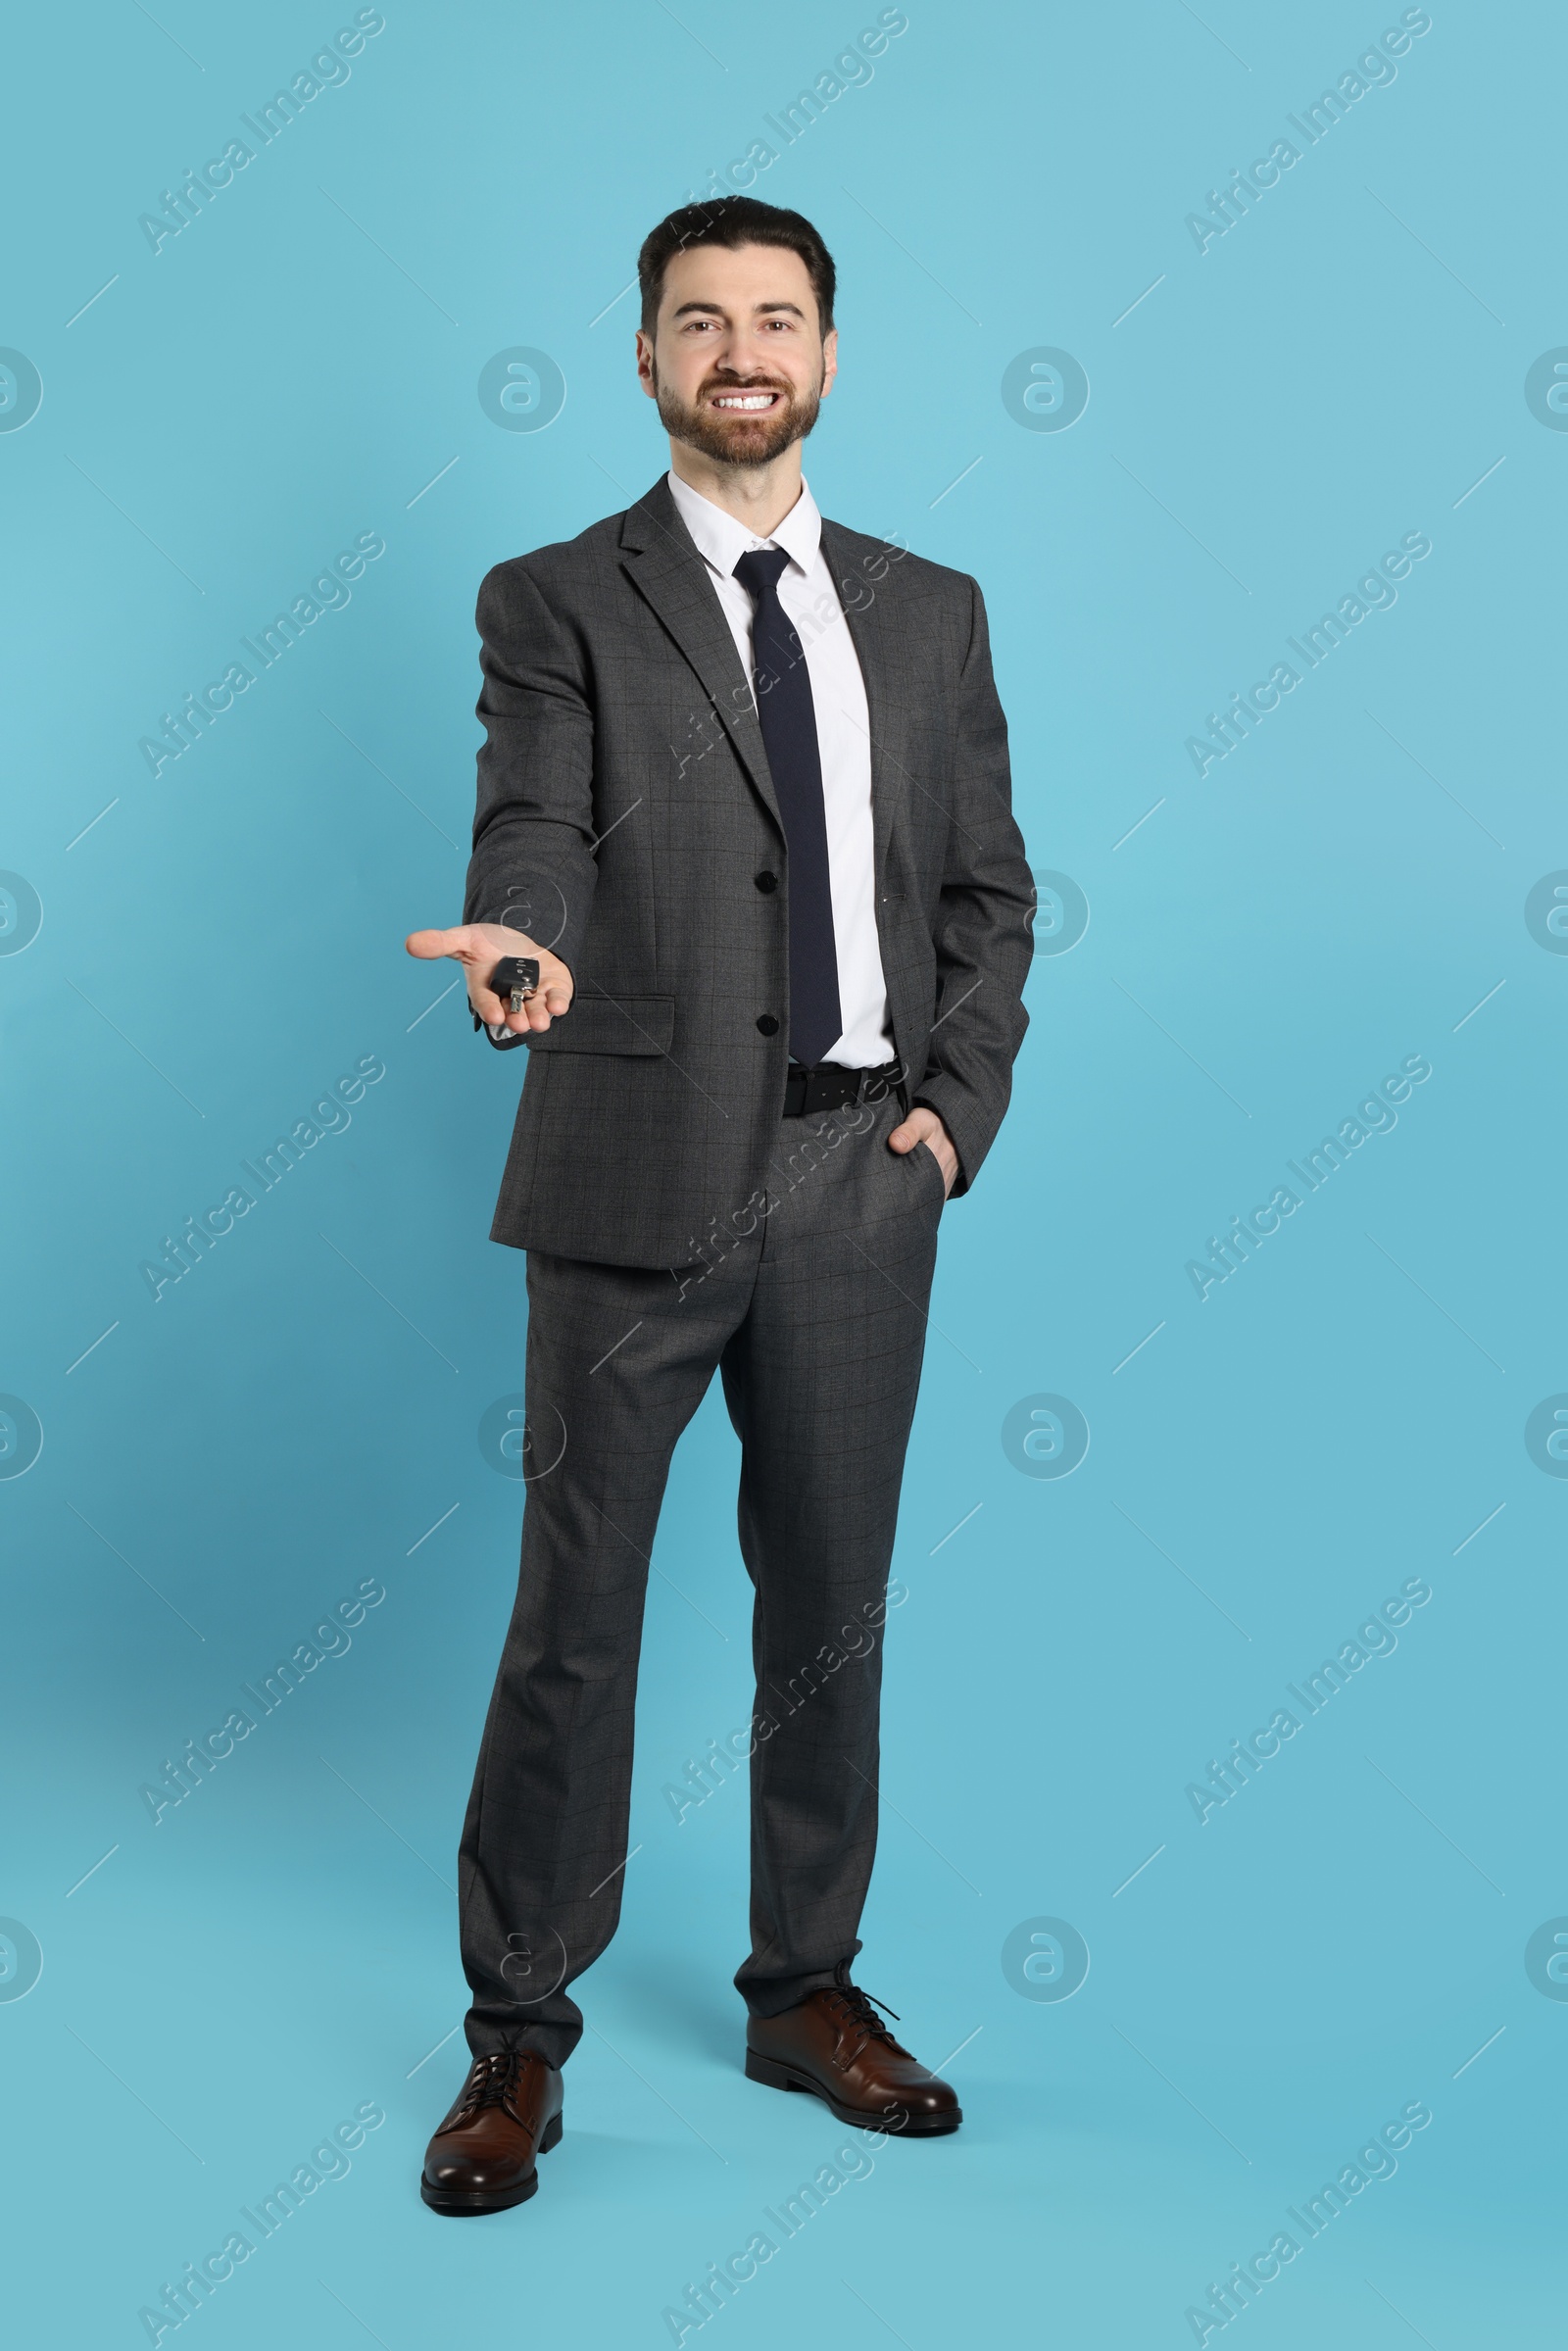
947, 1100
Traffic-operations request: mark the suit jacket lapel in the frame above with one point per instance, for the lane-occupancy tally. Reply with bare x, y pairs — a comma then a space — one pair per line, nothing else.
882, 654
666, 570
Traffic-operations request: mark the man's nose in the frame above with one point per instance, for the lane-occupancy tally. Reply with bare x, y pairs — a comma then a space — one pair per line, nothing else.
743, 356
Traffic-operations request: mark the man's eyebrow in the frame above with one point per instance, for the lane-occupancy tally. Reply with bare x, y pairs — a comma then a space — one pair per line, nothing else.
716, 309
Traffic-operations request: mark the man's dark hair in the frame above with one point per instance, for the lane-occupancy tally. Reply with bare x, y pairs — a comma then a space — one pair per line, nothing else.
732, 222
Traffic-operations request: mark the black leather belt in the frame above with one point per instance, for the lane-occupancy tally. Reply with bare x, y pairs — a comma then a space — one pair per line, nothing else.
829, 1088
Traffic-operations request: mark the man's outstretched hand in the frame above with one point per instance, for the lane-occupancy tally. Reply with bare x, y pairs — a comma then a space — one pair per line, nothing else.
479, 947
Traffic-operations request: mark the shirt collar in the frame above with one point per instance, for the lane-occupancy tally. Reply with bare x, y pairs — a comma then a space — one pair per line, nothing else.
721, 541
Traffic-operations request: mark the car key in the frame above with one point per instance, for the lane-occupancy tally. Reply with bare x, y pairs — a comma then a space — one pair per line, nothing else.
515, 979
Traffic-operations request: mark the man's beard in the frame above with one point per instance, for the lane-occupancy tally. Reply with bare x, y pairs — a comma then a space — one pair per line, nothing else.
737, 438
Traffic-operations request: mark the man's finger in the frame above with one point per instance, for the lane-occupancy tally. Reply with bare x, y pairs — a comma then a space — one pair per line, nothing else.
429, 944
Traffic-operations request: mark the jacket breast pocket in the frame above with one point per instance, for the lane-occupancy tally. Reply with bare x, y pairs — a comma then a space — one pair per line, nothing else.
609, 1024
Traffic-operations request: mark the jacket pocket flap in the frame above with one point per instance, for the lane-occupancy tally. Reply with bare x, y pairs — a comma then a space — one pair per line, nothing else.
610, 1024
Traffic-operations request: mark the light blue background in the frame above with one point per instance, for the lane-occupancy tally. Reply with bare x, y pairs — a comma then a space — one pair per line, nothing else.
1339, 893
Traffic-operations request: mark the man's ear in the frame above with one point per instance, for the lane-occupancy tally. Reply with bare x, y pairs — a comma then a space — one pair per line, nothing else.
830, 359
645, 364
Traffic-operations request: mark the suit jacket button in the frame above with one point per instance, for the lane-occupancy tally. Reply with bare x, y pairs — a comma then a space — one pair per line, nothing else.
767, 1022
767, 883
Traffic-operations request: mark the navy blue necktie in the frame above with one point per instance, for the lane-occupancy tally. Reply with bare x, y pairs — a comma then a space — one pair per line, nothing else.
788, 717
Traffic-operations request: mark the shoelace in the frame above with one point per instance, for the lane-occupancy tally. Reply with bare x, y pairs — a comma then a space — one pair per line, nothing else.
858, 2010
491, 2082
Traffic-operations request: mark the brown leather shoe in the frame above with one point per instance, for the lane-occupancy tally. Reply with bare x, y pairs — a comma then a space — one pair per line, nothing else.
482, 2157
835, 2044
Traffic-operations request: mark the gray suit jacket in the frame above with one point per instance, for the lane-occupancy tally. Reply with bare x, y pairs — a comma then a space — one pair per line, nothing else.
624, 811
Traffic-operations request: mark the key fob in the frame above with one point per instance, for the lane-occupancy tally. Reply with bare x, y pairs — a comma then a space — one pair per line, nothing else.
513, 979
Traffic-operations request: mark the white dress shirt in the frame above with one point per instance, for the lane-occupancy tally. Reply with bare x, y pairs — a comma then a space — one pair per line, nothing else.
807, 594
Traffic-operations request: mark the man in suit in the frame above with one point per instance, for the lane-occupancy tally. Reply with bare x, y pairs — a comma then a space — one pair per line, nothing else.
745, 799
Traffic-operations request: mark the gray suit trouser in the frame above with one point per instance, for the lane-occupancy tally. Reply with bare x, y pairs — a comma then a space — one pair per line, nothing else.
815, 1318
